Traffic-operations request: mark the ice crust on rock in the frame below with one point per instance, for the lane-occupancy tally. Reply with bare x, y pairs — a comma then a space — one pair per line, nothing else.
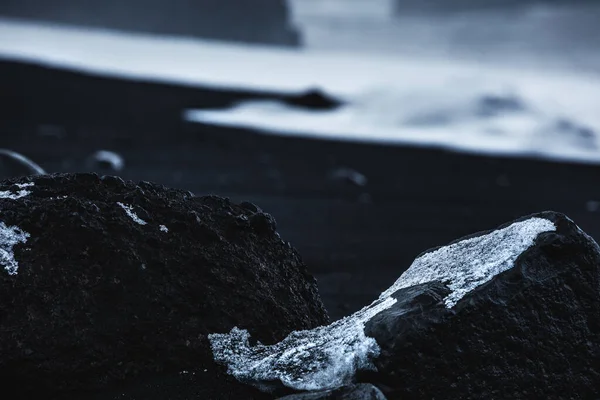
9, 237
7, 194
328, 356
469, 263
321, 358
129, 210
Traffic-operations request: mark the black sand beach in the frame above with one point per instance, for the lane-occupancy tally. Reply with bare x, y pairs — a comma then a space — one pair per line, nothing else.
355, 239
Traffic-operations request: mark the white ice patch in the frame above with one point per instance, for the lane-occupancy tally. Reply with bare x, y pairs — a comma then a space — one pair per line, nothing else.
7, 194
467, 264
329, 356
163, 229
321, 358
10, 236
129, 210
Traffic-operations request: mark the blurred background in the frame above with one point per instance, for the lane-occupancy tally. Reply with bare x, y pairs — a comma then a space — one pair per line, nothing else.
371, 130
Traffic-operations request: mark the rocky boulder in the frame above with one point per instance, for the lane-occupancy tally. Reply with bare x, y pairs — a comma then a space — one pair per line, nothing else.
104, 281
509, 313
532, 331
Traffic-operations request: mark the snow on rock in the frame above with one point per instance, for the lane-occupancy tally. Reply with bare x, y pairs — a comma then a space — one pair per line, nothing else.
129, 210
492, 108
9, 237
472, 262
329, 356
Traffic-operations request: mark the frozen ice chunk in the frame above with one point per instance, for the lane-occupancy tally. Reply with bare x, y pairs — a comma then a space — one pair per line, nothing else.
472, 262
324, 357
129, 210
10, 236
327, 357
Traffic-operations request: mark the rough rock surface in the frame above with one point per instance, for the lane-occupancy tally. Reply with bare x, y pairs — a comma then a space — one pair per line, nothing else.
361, 391
103, 280
330, 356
533, 331
509, 313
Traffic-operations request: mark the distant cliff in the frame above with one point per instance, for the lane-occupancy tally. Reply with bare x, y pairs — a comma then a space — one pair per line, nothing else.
408, 6
256, 21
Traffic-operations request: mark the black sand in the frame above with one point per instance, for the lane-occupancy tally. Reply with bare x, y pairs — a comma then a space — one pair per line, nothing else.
356, 240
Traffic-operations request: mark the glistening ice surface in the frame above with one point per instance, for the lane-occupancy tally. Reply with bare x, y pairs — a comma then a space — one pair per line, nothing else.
329, 356
9, 237
470, 263
324, 357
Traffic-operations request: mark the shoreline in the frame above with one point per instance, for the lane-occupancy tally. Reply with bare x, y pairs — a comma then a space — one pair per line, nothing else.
355, 239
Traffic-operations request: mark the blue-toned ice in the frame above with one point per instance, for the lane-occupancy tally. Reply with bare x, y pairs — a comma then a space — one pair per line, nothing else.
329, 356
9, 237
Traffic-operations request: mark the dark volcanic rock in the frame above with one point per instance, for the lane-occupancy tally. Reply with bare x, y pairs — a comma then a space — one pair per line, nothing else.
361, 391
103, 280
510, 313
533, 331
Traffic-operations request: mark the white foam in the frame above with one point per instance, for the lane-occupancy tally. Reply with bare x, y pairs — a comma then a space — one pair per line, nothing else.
9, 237
129, 210
384, 94
455, 115
163, 229
329, 356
